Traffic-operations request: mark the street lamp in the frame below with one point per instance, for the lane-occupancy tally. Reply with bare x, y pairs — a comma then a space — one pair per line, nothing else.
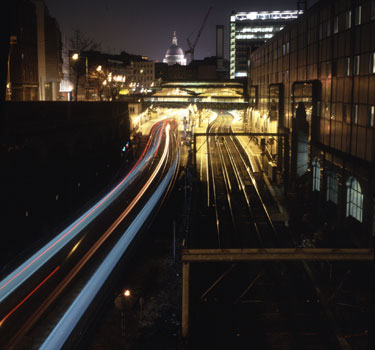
75, 58
77, 66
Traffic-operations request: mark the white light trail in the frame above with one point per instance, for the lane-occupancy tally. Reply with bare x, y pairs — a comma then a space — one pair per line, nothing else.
68, 322
43, 255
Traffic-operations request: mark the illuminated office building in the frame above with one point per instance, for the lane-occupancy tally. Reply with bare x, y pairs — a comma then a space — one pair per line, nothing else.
249, 30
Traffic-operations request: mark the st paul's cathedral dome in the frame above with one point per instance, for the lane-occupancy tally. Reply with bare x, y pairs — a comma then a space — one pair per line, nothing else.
175, 54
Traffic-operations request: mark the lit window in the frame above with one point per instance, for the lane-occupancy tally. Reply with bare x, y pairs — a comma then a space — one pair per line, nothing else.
316, 174
347, 66
336, 24
333, 111
355, 114
318, 104
371, 116
346, 112
358, 15
348, 19
372, 63
328, 28
332, 187
328, 69
356, 65
287, 47
354, 199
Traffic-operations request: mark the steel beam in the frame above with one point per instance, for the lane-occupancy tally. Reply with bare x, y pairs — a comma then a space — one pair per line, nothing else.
274, 254
241, 134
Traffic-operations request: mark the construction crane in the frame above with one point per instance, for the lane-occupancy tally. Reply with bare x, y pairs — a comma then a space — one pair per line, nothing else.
192, 46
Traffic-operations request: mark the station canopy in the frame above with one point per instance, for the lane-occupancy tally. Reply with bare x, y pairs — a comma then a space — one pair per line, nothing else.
201, 92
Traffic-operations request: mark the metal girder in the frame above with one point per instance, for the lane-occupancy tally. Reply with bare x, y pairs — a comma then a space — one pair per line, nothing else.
239, 134
274, 254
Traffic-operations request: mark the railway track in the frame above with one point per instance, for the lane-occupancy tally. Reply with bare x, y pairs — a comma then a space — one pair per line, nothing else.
241, 219
263, 305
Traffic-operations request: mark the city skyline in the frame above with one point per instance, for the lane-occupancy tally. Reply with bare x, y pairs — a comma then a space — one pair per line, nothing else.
148, 28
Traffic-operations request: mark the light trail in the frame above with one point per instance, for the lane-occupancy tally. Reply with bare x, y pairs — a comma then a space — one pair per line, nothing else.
72, 316
29, 295
15, 279
88, 255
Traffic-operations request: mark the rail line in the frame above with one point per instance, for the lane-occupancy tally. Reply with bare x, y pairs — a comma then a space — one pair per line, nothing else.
242, 218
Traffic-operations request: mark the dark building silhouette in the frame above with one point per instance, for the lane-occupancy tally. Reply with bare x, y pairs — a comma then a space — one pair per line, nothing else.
206, 69
22, 82
35, 53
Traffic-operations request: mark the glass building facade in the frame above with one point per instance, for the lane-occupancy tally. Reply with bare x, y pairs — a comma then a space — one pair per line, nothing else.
248, 31
325, 62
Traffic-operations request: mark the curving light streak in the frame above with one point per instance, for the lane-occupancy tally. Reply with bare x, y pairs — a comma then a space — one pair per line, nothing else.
70, 319
88, 255
30, 266
28, 296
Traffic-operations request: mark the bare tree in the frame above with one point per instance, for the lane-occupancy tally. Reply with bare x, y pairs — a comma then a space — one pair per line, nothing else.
79, 43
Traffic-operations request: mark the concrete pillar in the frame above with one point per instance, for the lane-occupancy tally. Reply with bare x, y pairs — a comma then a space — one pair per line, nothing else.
185, 299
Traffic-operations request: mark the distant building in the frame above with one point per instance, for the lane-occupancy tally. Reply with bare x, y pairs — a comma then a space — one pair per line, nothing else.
175, 54
141, 74
35, 55
249, 30
22, 80
197, 70
104, 76
49, 47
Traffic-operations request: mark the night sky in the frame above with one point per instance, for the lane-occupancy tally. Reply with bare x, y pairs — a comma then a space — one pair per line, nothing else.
146, 27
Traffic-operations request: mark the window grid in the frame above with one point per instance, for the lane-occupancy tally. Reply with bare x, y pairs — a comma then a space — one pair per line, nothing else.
318, 105
372, 63
356, 65
354, 200
347, 66
371, 116
328, 69
336, 25
348, 19
355, 114
332, 187
358, 15
316, 175
333, 111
